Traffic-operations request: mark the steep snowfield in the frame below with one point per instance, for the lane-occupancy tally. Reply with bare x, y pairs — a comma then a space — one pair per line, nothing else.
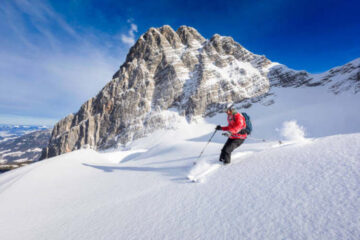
295, 190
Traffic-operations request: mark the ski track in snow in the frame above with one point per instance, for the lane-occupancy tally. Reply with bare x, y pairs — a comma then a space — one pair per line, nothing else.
203, 168
294, 190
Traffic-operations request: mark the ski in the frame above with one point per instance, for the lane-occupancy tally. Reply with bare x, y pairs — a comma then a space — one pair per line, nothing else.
199, 176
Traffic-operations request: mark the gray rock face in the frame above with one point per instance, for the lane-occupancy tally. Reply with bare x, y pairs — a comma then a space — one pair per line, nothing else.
167, 74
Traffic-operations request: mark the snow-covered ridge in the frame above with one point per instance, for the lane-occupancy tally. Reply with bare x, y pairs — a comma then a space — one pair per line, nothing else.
338, 79
23, 149
8, 131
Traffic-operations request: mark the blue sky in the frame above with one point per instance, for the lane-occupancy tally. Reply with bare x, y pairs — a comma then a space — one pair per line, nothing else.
55, 55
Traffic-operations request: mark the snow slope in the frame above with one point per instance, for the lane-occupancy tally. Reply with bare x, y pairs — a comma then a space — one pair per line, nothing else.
298, 190
320, 111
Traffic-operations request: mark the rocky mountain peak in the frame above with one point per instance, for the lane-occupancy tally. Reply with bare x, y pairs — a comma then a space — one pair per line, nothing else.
167, 76
155, 40
165, 69
189, 36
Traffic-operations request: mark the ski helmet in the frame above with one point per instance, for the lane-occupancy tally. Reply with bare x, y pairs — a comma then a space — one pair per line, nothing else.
230, 106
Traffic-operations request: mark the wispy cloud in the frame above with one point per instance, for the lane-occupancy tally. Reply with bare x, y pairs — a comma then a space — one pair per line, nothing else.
129, 38
48, 68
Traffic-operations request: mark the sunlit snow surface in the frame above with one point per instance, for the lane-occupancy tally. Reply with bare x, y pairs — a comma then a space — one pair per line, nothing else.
294, 190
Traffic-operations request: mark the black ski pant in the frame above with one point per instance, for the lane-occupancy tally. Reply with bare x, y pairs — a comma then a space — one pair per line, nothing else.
229, 146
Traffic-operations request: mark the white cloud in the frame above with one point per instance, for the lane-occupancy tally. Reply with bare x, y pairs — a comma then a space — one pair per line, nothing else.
50, 72
129, 39
134, 27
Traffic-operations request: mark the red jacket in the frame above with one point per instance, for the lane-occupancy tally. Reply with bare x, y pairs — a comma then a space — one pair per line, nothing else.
236, 123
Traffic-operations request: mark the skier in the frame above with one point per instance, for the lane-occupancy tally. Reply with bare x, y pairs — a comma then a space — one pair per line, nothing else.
236, 127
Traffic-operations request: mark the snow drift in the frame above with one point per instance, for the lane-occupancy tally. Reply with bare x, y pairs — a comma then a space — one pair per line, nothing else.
292, 131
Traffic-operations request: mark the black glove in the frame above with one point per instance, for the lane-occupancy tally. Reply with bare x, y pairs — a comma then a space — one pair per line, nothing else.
218, 127
226, 134
243, 131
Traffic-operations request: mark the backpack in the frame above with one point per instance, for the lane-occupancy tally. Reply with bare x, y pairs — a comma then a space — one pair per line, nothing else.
248, 128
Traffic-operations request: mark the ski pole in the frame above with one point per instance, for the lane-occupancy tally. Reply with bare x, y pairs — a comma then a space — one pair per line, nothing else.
264, 140
257, 139
205, 147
